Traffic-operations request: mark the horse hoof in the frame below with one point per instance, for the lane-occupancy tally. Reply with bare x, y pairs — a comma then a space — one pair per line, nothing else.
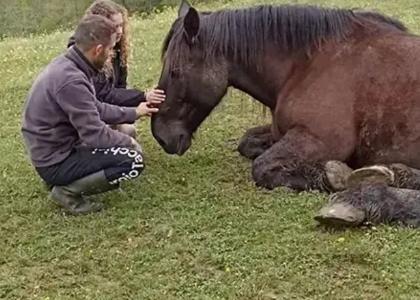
340, 215
337, 174
372, 174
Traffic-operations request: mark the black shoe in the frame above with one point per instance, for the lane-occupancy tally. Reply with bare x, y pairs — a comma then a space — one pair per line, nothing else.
71, 197
73, 203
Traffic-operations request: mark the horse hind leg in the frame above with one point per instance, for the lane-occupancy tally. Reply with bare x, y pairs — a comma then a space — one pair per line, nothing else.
374, 203
340, 212
405, 177
395, 175
371, 174
255, 141
376, 194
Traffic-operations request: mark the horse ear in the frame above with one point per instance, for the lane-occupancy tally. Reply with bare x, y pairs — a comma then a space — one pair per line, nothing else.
183, 8
191, 24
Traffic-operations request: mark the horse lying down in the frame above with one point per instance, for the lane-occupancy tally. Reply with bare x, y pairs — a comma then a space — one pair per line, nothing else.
376, 194
324, 74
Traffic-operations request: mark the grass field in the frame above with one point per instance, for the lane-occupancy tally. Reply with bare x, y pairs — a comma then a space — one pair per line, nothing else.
24, 17
193, 227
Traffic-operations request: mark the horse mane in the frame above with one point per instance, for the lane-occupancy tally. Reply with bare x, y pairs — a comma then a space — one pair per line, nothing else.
244, 33
386, 20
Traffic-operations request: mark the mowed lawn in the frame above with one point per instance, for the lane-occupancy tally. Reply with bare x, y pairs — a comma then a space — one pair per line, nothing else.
193, 227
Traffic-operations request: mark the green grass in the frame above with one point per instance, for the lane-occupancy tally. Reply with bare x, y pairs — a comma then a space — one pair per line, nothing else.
193, 227
23, 17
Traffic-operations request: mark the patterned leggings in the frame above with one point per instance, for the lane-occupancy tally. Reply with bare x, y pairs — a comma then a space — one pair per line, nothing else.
118, 163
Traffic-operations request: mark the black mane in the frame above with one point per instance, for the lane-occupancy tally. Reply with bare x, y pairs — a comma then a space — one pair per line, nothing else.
244, 33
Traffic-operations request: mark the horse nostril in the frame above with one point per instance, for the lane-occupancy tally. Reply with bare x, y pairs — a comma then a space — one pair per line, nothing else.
160, 141
180, 141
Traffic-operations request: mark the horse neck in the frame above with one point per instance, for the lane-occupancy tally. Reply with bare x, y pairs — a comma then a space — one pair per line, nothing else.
265, 81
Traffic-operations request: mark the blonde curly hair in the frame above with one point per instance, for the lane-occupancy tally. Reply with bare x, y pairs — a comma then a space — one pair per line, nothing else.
107, 9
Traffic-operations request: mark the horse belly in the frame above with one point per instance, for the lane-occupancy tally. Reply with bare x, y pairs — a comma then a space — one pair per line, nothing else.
362, 102
387, 106
392, 136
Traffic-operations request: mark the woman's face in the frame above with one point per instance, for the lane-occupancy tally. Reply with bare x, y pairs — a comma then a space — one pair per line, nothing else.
119, 22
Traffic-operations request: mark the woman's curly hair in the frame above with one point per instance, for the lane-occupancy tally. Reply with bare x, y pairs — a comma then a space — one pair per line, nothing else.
108, 8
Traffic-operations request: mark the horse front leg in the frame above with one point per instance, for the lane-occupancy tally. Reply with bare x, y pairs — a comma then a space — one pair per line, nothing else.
255, 141
296, 161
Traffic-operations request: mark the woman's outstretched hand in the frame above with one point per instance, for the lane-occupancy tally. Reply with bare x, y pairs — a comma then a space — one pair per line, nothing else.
155, 97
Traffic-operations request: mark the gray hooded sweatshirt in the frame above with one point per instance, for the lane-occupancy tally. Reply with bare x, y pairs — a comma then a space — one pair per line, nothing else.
61, 112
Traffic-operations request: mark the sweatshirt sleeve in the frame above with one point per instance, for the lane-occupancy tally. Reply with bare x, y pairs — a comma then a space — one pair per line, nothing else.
123, 97
88, 116
106, 92
113, 114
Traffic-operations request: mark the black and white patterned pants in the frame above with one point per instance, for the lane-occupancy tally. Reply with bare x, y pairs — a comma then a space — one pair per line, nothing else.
118, 163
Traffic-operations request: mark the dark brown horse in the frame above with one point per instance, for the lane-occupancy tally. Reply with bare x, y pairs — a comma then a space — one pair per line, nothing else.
341, 85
